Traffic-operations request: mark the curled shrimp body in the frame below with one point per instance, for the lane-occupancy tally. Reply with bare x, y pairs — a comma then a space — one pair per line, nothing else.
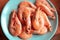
27, 20
15, 26
37, 20
46, 21
46, 26
24, 16
46, 9
20, 13
22, 7
43, 28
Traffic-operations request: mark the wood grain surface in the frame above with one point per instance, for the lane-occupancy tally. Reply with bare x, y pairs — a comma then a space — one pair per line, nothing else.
56, 4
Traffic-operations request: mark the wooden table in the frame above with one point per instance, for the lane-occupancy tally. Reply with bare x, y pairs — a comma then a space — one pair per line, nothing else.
57, 5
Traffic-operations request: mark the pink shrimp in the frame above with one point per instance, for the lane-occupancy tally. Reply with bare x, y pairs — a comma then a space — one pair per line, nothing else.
37, 20
46, 21
46, 26
22, 7
20, 12
15, 26
43, 29
24, 15
46, 9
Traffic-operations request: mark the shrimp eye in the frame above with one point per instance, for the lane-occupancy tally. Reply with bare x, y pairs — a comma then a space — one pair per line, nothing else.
28, 28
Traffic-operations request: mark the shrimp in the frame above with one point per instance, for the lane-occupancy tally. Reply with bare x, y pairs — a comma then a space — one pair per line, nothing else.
27, 4
37, 20
46, 21
24, 15
24, 35
41, 31
22, 7
46, 26
27, 20
15, 26
46, 9
20, 13
45, 2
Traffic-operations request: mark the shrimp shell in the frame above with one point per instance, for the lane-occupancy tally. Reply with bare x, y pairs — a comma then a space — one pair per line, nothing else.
15, 26
37, 20
20, 12
24, 16
46, 21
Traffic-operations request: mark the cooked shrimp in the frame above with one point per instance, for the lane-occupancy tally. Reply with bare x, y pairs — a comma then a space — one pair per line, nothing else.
24, 15
41, 31
15, 26
27, 20
46, 26
46, 21
24, 35
46, 9
45, 2
20, 13
27, 4
37, 20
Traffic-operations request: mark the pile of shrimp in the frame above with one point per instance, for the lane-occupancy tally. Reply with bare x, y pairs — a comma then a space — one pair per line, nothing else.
31, 19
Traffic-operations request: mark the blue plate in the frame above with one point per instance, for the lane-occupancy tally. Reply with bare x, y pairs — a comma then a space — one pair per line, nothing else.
12, 5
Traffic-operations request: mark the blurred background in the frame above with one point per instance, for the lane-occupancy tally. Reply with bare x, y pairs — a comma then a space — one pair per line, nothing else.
56, 4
